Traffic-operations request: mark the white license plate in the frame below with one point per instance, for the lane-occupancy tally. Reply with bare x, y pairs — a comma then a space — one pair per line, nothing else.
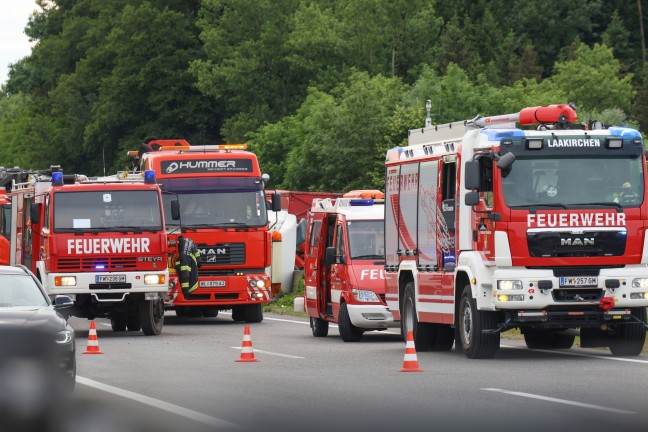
212, 284
110, 278
579, 281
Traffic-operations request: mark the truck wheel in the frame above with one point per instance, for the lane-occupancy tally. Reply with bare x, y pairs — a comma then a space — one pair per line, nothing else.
152, 316
133, 321
444, 338
563, 341
424, 333
237, 313
253, 313
118, 322
544, 339
630, 338
471, 323
348, 332
319, 327
210, 313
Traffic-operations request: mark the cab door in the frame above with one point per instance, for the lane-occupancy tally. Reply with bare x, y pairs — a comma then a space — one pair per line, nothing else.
338, 274
312, 264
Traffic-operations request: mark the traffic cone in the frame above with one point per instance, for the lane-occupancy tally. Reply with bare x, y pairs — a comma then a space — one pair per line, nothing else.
93, 342
410, 364
247, 353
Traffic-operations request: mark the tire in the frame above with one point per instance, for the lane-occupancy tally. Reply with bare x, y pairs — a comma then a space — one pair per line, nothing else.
210, 313
151, 316
563, 341
134, 323
424, 333
546, 339
475, 343
319, 327
182, 312
253, 313
444, 338
630, 338
118, 322
237, 314
348, 332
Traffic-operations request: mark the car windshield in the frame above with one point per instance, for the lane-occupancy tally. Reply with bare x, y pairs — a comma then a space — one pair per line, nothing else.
107, 210
224, 209
20, 291
366, 239
574, 181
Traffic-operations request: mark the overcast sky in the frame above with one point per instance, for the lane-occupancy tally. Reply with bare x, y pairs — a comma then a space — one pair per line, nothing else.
14, 44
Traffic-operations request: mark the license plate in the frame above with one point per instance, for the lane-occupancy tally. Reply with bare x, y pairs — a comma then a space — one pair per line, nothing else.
579, 281
110, 278
212, 284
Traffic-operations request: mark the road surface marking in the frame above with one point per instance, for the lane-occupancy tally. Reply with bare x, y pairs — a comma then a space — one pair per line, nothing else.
273, 353
571, 353
561, 401
159, 404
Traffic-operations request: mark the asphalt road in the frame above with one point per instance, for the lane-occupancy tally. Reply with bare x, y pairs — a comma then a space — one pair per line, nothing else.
187, 380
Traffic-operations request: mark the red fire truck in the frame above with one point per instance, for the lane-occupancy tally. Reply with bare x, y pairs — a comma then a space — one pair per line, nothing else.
343, 272
491, 227
223, 211
100, 241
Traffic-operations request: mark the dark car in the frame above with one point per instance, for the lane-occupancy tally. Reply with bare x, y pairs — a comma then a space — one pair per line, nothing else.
37, 347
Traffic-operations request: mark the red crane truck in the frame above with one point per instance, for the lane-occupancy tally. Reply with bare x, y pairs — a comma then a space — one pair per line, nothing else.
343, 272
490, 227
223, 211
100, 241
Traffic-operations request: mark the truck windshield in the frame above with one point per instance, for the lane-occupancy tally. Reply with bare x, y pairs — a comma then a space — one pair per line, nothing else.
105, 210
224, 209
366, 239
574, 181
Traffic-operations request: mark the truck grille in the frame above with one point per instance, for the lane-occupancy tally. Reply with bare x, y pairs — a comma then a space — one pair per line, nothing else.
94, 264
577, 294
222, 254
548, 244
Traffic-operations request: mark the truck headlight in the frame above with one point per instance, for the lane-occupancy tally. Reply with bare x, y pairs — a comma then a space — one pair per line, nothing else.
64, 280
154, 279
365, 296
508, 285
64, 337
640, 283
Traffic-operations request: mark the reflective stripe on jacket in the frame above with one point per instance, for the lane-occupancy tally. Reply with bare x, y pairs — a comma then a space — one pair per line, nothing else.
187, 265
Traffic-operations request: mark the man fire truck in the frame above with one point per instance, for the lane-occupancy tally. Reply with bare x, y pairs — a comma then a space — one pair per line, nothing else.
221, 194
490, 227
343, 271
100, 241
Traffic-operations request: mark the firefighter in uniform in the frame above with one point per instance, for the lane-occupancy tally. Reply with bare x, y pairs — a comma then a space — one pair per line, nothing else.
187, 265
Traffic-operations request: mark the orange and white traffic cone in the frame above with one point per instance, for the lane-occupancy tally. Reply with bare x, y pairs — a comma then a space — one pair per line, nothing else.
93, 342
410, 364
247, 353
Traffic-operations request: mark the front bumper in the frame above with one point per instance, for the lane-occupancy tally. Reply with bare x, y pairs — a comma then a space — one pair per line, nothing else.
371, 316
225, 291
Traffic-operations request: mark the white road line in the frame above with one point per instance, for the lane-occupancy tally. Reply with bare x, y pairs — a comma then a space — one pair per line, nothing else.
273, 353
571, 353
159, 404
104, 324
561, 401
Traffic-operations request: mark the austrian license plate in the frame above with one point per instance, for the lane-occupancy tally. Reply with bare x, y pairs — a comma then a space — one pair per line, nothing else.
579, 281
110, 278
212, 284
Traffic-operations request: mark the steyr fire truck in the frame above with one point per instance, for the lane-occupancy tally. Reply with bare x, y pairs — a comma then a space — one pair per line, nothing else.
343, 271
221, 193
490, 227
100, 241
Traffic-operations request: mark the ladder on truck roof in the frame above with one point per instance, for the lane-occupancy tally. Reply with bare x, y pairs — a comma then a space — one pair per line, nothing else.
452, 132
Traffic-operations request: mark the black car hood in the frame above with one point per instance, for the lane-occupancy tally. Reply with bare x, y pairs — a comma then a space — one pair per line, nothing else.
29, 331
31, 318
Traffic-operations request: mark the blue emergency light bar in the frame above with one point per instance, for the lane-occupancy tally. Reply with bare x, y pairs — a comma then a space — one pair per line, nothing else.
361, 202
57, 178
149, 176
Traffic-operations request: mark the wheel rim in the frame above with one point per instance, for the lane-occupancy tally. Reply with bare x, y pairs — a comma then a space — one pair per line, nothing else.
158, 311
466, 324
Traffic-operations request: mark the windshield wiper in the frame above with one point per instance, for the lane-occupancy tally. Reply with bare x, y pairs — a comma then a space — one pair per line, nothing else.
136, 229
231, 224
368, 257
606, 203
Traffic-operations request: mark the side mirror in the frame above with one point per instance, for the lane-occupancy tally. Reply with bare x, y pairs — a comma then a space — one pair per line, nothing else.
276, 202
329, 257
471, 175
175, 210
34, 214
471, 199
62, 302
506, 161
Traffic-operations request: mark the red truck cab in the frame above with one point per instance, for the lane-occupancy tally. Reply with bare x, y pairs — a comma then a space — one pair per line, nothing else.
344, 278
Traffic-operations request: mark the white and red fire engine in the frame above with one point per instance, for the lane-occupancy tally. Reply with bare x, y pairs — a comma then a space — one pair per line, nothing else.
491, 227
223, 211
99, 241
344, 260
